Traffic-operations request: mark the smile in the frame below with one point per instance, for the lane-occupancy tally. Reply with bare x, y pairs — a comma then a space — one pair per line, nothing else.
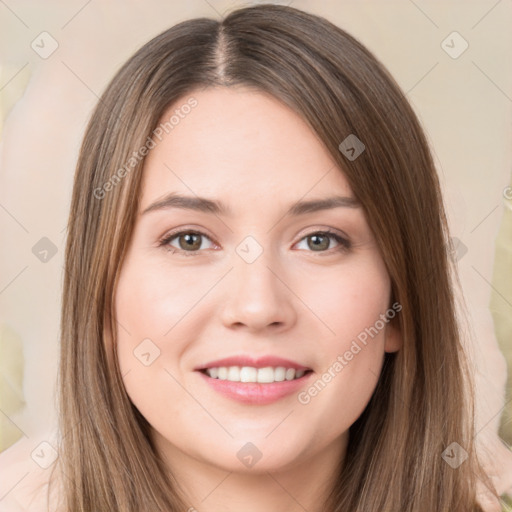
265, 375
264, 392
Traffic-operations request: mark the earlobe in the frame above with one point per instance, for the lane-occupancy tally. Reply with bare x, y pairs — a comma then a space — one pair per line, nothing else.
393, 338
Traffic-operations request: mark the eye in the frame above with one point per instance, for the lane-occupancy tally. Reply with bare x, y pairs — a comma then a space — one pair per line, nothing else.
189, 242
320, 241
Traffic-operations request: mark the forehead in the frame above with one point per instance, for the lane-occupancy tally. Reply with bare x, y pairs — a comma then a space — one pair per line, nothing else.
240, 144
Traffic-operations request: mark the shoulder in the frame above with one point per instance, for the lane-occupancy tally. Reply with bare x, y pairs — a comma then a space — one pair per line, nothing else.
26, 470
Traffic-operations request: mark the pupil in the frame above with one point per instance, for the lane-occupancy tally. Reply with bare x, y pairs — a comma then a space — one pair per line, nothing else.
317, 241
190, 239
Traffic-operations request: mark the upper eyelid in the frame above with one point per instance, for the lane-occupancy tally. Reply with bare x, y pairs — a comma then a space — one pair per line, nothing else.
173, 234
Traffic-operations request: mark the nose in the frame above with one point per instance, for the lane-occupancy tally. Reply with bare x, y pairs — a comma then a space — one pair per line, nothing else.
257, 297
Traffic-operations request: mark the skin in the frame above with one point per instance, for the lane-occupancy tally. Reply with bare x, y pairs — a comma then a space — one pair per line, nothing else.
251, 152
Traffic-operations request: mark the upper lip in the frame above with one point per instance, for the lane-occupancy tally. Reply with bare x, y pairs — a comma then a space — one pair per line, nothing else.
255, 362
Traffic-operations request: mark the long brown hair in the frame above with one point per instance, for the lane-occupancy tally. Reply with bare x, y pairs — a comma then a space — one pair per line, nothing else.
423, 401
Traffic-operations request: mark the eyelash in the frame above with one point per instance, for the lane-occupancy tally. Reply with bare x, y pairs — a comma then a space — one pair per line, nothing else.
344, 244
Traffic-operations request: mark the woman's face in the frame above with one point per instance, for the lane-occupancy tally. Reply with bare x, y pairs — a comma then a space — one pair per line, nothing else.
239, 270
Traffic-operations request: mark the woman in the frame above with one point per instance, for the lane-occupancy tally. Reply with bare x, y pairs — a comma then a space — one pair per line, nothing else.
257, 306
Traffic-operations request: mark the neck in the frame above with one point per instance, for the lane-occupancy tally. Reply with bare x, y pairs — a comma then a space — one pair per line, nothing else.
302, 485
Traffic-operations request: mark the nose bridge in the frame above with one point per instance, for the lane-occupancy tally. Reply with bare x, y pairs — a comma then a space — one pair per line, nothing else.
256, 295
252, 273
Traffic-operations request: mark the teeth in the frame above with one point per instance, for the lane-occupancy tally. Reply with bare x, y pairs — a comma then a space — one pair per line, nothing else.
233, 374
279, 374
249, 374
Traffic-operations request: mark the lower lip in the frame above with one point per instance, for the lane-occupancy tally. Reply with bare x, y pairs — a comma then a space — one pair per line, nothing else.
255, 393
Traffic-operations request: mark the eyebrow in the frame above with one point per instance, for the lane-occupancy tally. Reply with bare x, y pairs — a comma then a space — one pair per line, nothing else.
202, 204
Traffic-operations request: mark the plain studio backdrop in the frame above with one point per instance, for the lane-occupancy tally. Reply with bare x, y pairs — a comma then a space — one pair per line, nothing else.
452, 59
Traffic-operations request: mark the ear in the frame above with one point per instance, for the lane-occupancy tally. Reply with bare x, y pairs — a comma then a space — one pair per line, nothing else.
393, 337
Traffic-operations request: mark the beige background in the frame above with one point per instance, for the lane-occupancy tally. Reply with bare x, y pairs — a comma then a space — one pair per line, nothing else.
464, 103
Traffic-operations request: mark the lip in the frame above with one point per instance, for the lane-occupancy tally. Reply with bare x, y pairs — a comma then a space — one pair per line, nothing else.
260, 362
254, 393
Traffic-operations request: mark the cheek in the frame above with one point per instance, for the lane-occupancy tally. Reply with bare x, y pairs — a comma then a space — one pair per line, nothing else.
151, 300
349, 299
350, 357
147, 308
